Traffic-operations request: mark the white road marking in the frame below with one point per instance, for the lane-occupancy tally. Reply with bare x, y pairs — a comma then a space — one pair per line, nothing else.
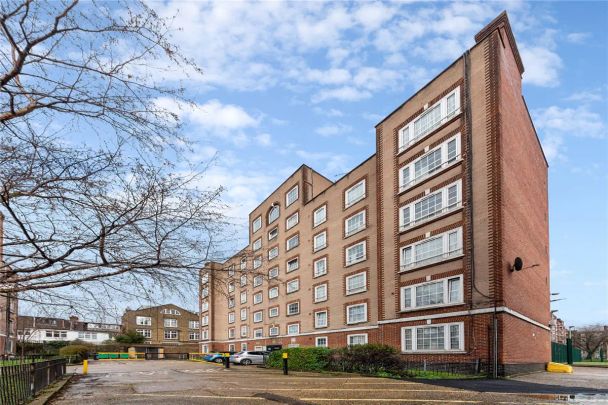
200, 396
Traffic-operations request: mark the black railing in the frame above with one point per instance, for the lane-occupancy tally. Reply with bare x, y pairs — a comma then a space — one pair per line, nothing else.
20, 380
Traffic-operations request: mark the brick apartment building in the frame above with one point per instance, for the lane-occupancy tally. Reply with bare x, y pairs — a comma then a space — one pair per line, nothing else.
8, 306
559, 332
416, 246
166, 327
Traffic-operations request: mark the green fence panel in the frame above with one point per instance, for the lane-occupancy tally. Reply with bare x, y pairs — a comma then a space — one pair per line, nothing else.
559, 353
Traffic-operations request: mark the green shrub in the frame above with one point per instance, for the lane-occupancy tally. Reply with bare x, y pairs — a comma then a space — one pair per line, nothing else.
369, 358
301, 358
75, 353
130, 337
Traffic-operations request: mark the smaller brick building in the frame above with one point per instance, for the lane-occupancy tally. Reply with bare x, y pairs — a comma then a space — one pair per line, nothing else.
167, 327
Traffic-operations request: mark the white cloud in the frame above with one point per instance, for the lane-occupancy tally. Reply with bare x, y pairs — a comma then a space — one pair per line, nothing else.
586, 96
579, 122
329, 112
217, 116
542, 66
334, 129
264, 139
578, 37
345, 93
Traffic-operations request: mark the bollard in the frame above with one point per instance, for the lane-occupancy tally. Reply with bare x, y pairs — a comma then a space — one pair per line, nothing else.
85, 367
285, 367
227, 357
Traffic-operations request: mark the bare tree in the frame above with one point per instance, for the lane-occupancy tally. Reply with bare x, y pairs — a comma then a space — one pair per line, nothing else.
89, 197
590, 338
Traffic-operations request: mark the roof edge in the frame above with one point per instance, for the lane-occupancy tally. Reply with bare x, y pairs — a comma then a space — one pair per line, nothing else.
502, 21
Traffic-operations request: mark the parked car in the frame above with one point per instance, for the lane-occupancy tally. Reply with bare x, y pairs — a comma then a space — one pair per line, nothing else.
215, 357
246, 358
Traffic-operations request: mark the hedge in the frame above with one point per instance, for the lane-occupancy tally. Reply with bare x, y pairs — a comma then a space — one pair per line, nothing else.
301, 358
368, 358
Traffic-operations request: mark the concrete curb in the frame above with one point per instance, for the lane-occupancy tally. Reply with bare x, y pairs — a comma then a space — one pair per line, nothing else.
51, 391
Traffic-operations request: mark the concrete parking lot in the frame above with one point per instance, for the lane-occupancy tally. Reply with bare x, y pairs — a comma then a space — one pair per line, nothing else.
185, 382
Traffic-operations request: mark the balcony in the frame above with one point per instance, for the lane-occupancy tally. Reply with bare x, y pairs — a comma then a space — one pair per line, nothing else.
432, 260
430, 217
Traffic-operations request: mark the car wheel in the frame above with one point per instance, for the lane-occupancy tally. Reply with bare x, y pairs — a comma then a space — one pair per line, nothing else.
246, 362
219, 360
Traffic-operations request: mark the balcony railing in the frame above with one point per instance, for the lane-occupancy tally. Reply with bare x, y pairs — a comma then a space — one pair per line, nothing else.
430, 217
428, 174
356, 259
428, 130
430, 260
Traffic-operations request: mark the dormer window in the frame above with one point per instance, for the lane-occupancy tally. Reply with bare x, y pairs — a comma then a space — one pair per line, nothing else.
273, 213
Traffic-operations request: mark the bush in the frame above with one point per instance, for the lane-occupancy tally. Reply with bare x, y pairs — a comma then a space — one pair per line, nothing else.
130, 337
369, 358
301, 359
75, 353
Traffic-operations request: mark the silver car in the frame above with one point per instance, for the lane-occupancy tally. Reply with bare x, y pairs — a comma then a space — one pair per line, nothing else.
246, 358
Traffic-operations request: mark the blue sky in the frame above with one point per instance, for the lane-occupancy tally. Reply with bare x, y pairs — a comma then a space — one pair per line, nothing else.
293, 83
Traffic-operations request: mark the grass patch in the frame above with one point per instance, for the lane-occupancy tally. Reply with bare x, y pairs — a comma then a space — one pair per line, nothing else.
595, 363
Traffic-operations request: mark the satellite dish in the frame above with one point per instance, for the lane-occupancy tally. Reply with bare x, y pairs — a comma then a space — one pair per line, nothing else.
518, 264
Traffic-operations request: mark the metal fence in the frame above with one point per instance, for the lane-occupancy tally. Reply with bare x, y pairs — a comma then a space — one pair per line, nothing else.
559, 353
20, 381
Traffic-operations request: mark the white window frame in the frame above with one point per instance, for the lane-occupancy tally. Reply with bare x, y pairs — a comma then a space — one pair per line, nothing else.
258, 333
294, 259
231, 302
316, 246
230, 317
350, 203
231, 347
194, 335
356, 260
273, 331
275, 293
290, 325
196, 324
274, 208
314, 267
293, 313
445, 208
243, 280
317, 338
293, 286
273, 252
205, 306
446, 294
231, 333
243, 314
404, 144
244, 331
231, 270
351, 322
257, 262
170, 323
243, 263
290, 199
317, 325
258, 280
316, 212
351, 232
257, 244
292, 220
256, 224
316, 296
143, 321
271, 310
258, 316
231, 286
255, 298
273, 272
445, 255
271, 232
205, 336
445, 164
359, 290
244, 346
172, 334
289, 246
204, 278
243, 297
205, 292
146, 333
349, 337
446, 338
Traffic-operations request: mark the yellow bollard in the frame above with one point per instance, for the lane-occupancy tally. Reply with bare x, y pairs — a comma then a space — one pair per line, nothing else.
85, 367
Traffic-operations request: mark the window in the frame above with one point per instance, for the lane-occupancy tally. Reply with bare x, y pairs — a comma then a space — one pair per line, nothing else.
293, 329
243, 297
147, 333
231, 333
273, 331
258, 297
231, 287
354, 194
230, 302
429, 120
205, 320
231, 271
204, 278
205, 337
257, 262
243, 347
321, 293
434, 293
273, 213
355, 253
424, 209
293, 286
292, 221
171, 334
205, 306
193, 336
354, 224
243, 314
441, 337
258, 316
293, 308
273, 273
231, 317
272, 253
195, 324
170, 311
205, 292
257, 244
257, 224
437, 159
359, 339
432, 250
356, 313
170, 323
291, 197
319, 216
243, 263
321, 341
293, 264
293, 242
143, 320
258, 333
258, 280
320, 267
321, 319
273, 312
243, 280
319, 241
81, 335
231, 347
273, 292
273, 233
244, 331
